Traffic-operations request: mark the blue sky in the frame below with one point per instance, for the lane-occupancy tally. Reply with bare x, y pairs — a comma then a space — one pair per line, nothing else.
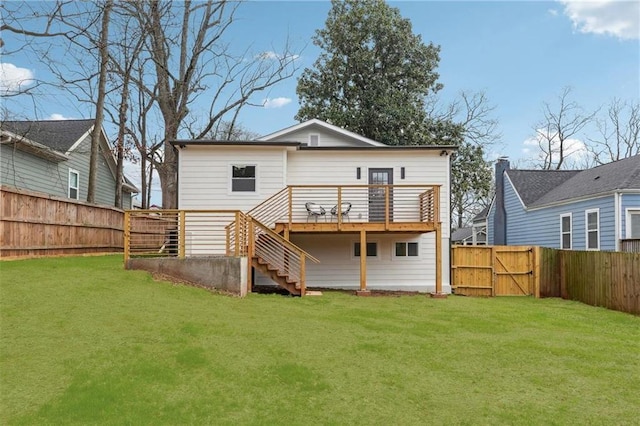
520, 53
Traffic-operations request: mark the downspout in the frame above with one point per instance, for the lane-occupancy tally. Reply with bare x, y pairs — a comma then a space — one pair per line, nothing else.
617, 208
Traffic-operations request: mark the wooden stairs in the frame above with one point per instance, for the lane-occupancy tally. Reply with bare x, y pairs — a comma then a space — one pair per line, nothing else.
281, 278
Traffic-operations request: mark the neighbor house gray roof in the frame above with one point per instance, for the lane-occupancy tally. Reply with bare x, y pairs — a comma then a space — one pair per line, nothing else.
59, 135
461, 234
542, 187
482, 215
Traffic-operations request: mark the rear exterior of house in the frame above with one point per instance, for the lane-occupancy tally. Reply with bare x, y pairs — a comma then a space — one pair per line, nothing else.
328, 166
52, 157
594, 209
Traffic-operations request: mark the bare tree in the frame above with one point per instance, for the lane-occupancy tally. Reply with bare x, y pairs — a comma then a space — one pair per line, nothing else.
618, 132
470, 171
77, 25
557, 131
185, 44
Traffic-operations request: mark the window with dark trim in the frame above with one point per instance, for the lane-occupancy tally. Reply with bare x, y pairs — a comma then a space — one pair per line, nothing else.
565, 231
406, 249
372, 249
243, 178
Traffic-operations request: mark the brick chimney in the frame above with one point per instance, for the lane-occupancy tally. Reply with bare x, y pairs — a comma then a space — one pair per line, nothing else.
500, 216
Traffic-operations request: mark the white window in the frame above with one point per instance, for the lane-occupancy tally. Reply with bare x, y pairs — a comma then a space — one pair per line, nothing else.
565, 231
314, 140
372, 249
243, 178
74, 184
633, 224
406, 249
592, 222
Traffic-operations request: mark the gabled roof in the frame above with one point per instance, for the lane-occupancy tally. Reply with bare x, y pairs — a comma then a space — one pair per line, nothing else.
538, 188
482, 215
533, 184
54, 139
461, 234
59, 135
324, 125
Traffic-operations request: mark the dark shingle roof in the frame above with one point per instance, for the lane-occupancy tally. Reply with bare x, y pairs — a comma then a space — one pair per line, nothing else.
533, 184
59, 135
622, 174
482, 215
541, 187
461, 234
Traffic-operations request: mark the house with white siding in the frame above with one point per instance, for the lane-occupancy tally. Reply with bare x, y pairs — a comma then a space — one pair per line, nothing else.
373, 216
592, 209
52, 157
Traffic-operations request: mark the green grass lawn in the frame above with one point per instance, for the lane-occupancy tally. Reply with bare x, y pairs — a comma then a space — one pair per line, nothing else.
85, 342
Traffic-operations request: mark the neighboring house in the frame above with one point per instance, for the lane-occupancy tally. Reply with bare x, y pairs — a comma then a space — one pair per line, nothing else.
474, 235
52, 157
593, 209
462, 236
395, 199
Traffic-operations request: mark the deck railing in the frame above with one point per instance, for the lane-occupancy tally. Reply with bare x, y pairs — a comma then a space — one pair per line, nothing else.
288, 259
360, 204
181, 233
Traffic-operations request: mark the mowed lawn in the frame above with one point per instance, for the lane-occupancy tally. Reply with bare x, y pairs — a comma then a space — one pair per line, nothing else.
85, 342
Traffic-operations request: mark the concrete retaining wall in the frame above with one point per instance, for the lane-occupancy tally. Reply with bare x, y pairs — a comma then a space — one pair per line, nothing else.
220, 273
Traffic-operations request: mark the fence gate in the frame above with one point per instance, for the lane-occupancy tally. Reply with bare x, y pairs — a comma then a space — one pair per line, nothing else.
493, 270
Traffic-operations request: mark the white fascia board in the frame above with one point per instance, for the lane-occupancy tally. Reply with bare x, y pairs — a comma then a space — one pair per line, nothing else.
325, 125
33, 146
506, 174
79, 141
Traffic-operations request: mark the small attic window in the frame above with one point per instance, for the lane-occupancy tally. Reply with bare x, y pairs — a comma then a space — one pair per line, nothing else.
314, 140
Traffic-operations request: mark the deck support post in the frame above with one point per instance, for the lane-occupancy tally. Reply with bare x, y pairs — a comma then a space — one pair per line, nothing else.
438, 293
363, 265
251, 248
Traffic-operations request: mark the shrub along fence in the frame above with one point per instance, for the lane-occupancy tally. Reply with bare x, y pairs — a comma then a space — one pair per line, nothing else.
36, 224
608, 279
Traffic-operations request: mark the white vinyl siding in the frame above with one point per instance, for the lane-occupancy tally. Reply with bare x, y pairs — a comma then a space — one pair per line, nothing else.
339, 168
592, 228
338, 268
566, 233
205, 176
325, 138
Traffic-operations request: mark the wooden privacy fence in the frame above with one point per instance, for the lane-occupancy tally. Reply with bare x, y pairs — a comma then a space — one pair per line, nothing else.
597, 278
36, 224
607, 279
493, 270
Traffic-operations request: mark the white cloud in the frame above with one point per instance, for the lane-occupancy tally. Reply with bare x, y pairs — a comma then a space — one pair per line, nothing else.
13, 79
56, 116
609, 17
271, 55
575, 151
552, 12
276, 102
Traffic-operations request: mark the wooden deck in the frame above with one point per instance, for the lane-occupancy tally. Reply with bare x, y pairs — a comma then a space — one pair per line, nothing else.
355, 227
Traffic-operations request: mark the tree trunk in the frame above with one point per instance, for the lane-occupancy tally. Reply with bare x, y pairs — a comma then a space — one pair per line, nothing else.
102, 82
122, 123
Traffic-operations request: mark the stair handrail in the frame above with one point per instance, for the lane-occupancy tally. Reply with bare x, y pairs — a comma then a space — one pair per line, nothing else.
281, 239
273, 208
